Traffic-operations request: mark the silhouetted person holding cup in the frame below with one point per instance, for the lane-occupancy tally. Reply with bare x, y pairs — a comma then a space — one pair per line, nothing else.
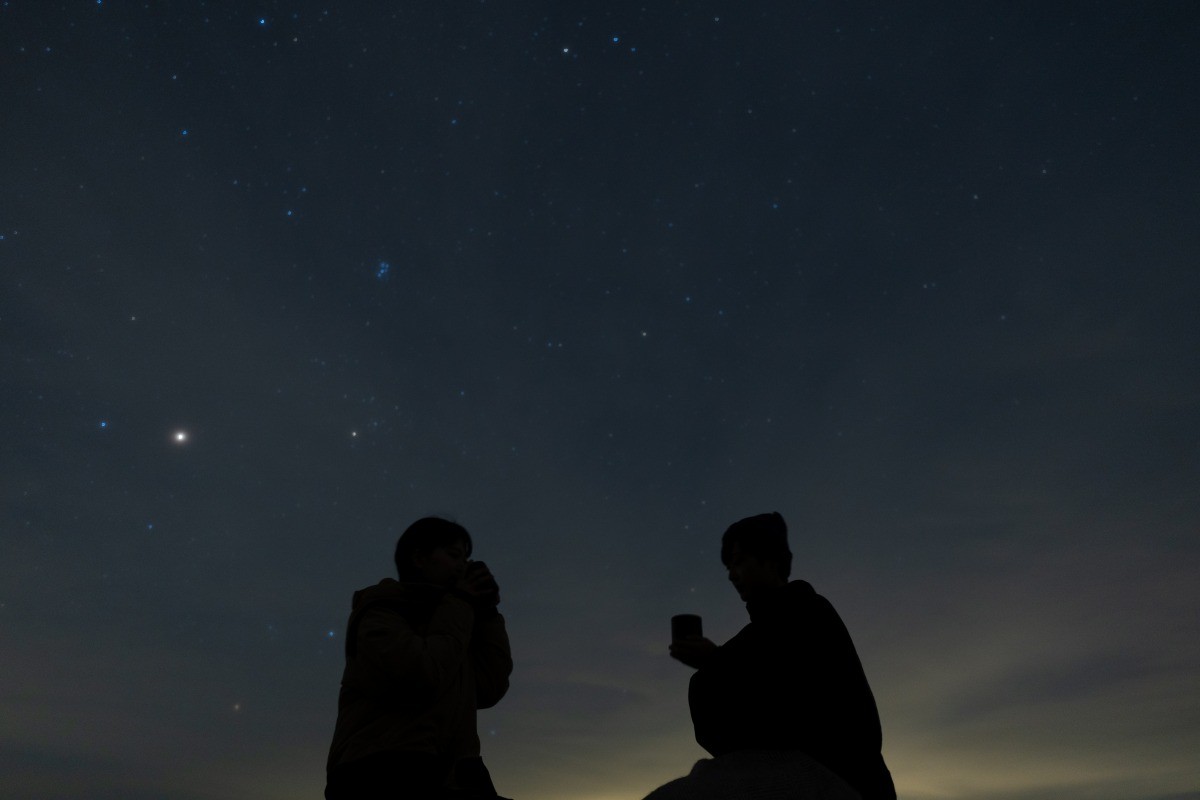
422, 655
790, 680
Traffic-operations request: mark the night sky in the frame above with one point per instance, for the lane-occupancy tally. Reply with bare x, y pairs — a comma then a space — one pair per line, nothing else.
596, 280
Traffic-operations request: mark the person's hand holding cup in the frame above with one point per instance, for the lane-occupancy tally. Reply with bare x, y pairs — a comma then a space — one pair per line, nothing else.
480, 584
688, 644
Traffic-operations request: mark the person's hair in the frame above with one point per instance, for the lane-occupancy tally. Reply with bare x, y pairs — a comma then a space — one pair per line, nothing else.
423, 537
763, 536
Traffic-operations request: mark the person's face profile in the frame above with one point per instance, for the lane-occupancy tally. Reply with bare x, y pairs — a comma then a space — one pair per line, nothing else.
443, 566
751, 575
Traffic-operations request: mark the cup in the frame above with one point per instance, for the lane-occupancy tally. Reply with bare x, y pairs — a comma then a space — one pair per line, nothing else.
684, 626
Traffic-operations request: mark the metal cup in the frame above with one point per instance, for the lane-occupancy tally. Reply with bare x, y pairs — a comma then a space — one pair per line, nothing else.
684, 626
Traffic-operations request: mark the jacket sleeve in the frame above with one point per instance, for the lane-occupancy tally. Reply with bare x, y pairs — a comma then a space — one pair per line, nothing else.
408, 664
491, 660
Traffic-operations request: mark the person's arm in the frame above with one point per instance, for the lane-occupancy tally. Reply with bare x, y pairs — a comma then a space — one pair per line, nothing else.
491, 659
412, 665
694, 651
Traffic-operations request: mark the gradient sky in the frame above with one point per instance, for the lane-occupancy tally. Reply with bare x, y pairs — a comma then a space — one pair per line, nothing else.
596, 280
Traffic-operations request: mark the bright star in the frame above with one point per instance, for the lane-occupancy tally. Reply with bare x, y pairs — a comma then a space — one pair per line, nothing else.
180, 437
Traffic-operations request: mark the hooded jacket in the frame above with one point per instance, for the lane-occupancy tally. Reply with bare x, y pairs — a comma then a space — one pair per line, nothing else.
419, 661
792, 680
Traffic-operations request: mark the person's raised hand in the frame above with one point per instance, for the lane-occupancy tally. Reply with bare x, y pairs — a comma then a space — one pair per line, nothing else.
479, 584
695, 651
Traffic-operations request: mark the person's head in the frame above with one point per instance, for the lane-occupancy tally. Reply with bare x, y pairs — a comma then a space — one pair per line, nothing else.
433, 550
755, 551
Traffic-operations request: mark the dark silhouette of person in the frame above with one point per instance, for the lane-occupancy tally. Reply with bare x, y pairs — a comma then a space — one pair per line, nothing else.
422, 655
791, 679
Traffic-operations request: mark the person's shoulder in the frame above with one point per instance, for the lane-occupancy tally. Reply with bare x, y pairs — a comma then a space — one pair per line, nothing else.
800, 592
385, 605
803, 598
392, 597
800, 587
387, 590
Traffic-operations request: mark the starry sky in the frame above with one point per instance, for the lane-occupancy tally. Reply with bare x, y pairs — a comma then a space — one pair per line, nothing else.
596, 280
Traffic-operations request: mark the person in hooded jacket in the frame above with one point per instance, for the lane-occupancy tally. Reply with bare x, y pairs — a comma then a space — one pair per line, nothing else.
422, 655
789, 680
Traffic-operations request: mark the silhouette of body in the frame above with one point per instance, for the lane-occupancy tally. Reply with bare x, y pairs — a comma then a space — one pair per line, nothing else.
791, 679
422, 655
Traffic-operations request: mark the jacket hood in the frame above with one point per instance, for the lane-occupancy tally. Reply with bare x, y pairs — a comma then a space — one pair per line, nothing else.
390, 590
392, 593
